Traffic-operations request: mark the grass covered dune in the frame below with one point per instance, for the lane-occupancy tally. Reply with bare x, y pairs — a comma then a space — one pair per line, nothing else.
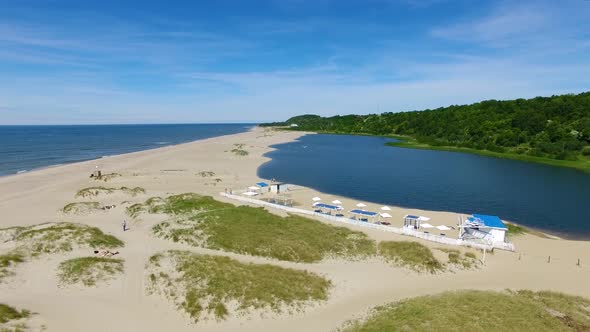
50, 238
201, 221
215, 286
480, 311
89, 270
204, 222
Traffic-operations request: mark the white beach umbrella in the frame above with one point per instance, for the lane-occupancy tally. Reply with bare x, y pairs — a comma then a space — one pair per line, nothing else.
385, 208
443, 228
250, 193
423, 218
316, 199
254, 188
361, 205
426, 225
337, 202
385, 215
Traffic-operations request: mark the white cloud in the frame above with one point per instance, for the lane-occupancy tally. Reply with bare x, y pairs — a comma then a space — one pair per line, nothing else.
504, 27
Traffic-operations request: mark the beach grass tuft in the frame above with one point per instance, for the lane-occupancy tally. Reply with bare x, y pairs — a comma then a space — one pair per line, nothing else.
410, 254
100, 190
238, 150
7, 263
204, 222
81, 207
89, 270
8, 313
465, 260
472, 310
514, 229
217, 286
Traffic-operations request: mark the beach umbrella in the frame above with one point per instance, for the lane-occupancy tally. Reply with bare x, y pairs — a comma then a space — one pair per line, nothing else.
337, 202
427, 226
316, 199
253, 188
443, 228
385, 215
250, 193
423, 218
385, 208
361, 205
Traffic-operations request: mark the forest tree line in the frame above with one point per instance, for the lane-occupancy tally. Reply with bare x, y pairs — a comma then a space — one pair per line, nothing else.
556, 127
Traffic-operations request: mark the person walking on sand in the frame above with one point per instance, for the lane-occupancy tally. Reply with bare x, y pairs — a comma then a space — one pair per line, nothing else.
124, 225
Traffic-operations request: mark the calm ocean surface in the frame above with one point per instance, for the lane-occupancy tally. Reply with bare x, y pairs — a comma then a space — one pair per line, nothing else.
549, 198
24, 148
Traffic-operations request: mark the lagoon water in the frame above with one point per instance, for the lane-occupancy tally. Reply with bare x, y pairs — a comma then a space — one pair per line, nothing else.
24, 148
549, 198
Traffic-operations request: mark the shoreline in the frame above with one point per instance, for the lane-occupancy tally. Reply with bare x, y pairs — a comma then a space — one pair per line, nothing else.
42, 168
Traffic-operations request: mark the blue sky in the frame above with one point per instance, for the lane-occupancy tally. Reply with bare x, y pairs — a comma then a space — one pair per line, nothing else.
67, 62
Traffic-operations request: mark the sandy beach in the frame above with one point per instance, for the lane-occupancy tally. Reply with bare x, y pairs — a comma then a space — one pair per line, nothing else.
123, 304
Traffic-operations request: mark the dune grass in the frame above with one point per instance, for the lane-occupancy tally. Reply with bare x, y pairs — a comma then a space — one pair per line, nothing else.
514, 229
62, 237
8, 262
81, 207
89, 270
217, 286
100, 190
238, 150
50, 238
465, 260
480, 311
204, 222
410, 254
8, 313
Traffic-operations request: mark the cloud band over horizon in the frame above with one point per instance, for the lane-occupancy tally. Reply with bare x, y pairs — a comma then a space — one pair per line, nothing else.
67, 62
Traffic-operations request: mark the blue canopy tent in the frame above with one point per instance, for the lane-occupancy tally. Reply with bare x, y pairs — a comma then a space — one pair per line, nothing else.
328, 207
363, 213
262, 184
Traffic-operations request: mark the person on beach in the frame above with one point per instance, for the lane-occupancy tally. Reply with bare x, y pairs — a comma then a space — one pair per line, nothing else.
124, 225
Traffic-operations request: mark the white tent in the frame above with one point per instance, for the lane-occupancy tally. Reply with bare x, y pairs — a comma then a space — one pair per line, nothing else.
250, 193
443, 228
361, 205
316, 199
254, 188
385, 208
385, 215
423, 218
426, 226
337, 202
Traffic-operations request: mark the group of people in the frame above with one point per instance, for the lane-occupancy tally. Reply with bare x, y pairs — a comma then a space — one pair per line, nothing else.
105, 253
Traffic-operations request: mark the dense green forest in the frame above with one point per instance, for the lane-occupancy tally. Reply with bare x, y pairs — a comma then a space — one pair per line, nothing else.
554, 128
